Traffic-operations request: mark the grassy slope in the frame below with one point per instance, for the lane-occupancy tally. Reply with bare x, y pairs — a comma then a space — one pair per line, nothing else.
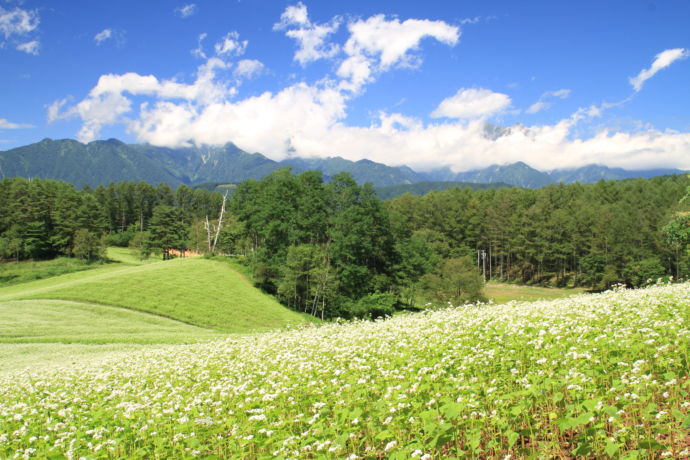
66, 319
503, 292
31, 321
201, 292
22, 272
128, 256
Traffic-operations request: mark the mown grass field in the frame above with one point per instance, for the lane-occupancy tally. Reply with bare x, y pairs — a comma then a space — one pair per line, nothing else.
128, 256
60, 321
23, 272
195, 291
591, 376
128, 304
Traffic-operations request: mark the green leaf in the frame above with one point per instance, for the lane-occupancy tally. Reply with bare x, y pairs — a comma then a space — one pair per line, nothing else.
517, 410
686, 422
611, 448
451, 410
512, 438
583, 449
557, 397
474, 438
590, 404
650, 444
385, 434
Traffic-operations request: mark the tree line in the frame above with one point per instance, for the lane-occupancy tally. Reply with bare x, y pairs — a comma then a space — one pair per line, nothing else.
42, 218
334, 249
592, 235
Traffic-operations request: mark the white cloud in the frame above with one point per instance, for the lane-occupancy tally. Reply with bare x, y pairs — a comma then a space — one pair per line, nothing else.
561, 93
29, 47
311, 38
16, 26
538, 106
661, 61
102, 36
199, 50
54, 110
310, 119
6, 124
472, 103
110, 35
108, 101
293, 16
248, 68
231, 45
17, 22
543, 103
186, 11
391, 40
378, 44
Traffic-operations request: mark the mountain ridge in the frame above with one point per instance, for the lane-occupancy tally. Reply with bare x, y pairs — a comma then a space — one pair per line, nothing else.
103, 161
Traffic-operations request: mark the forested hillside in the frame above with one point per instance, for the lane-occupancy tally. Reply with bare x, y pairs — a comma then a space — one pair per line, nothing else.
41, 219
336, 249
592, 235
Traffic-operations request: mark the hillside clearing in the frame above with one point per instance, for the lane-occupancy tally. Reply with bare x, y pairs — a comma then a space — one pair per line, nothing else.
588, 376
129, 256
504, 292
195, 291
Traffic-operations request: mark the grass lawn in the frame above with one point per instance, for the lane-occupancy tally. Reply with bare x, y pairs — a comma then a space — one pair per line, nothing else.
128, 256
21, 272
196, 291
45, 333
503, 292
31, 321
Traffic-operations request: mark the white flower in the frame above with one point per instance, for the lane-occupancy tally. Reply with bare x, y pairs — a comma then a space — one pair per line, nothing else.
390, 446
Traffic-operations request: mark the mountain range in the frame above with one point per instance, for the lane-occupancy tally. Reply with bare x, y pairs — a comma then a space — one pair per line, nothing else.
102, 162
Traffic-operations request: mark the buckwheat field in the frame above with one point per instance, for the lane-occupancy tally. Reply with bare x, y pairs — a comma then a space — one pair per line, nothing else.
601, 375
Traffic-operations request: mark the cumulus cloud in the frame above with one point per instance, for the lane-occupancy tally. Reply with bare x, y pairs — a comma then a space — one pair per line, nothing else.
378, 44
661, 61
248, 68
108, 101
6, 124
311, 38
544, 100
472, 103
55, 110
186, 11
309, 120
231, 45
15, 26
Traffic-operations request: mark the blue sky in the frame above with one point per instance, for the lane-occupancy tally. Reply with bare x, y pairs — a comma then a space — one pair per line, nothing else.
399, 82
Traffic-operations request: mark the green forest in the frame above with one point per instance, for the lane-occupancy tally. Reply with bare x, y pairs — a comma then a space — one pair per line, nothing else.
335, 249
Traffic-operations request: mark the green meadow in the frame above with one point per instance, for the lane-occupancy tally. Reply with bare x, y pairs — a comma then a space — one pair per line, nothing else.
504, 292
90, 311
